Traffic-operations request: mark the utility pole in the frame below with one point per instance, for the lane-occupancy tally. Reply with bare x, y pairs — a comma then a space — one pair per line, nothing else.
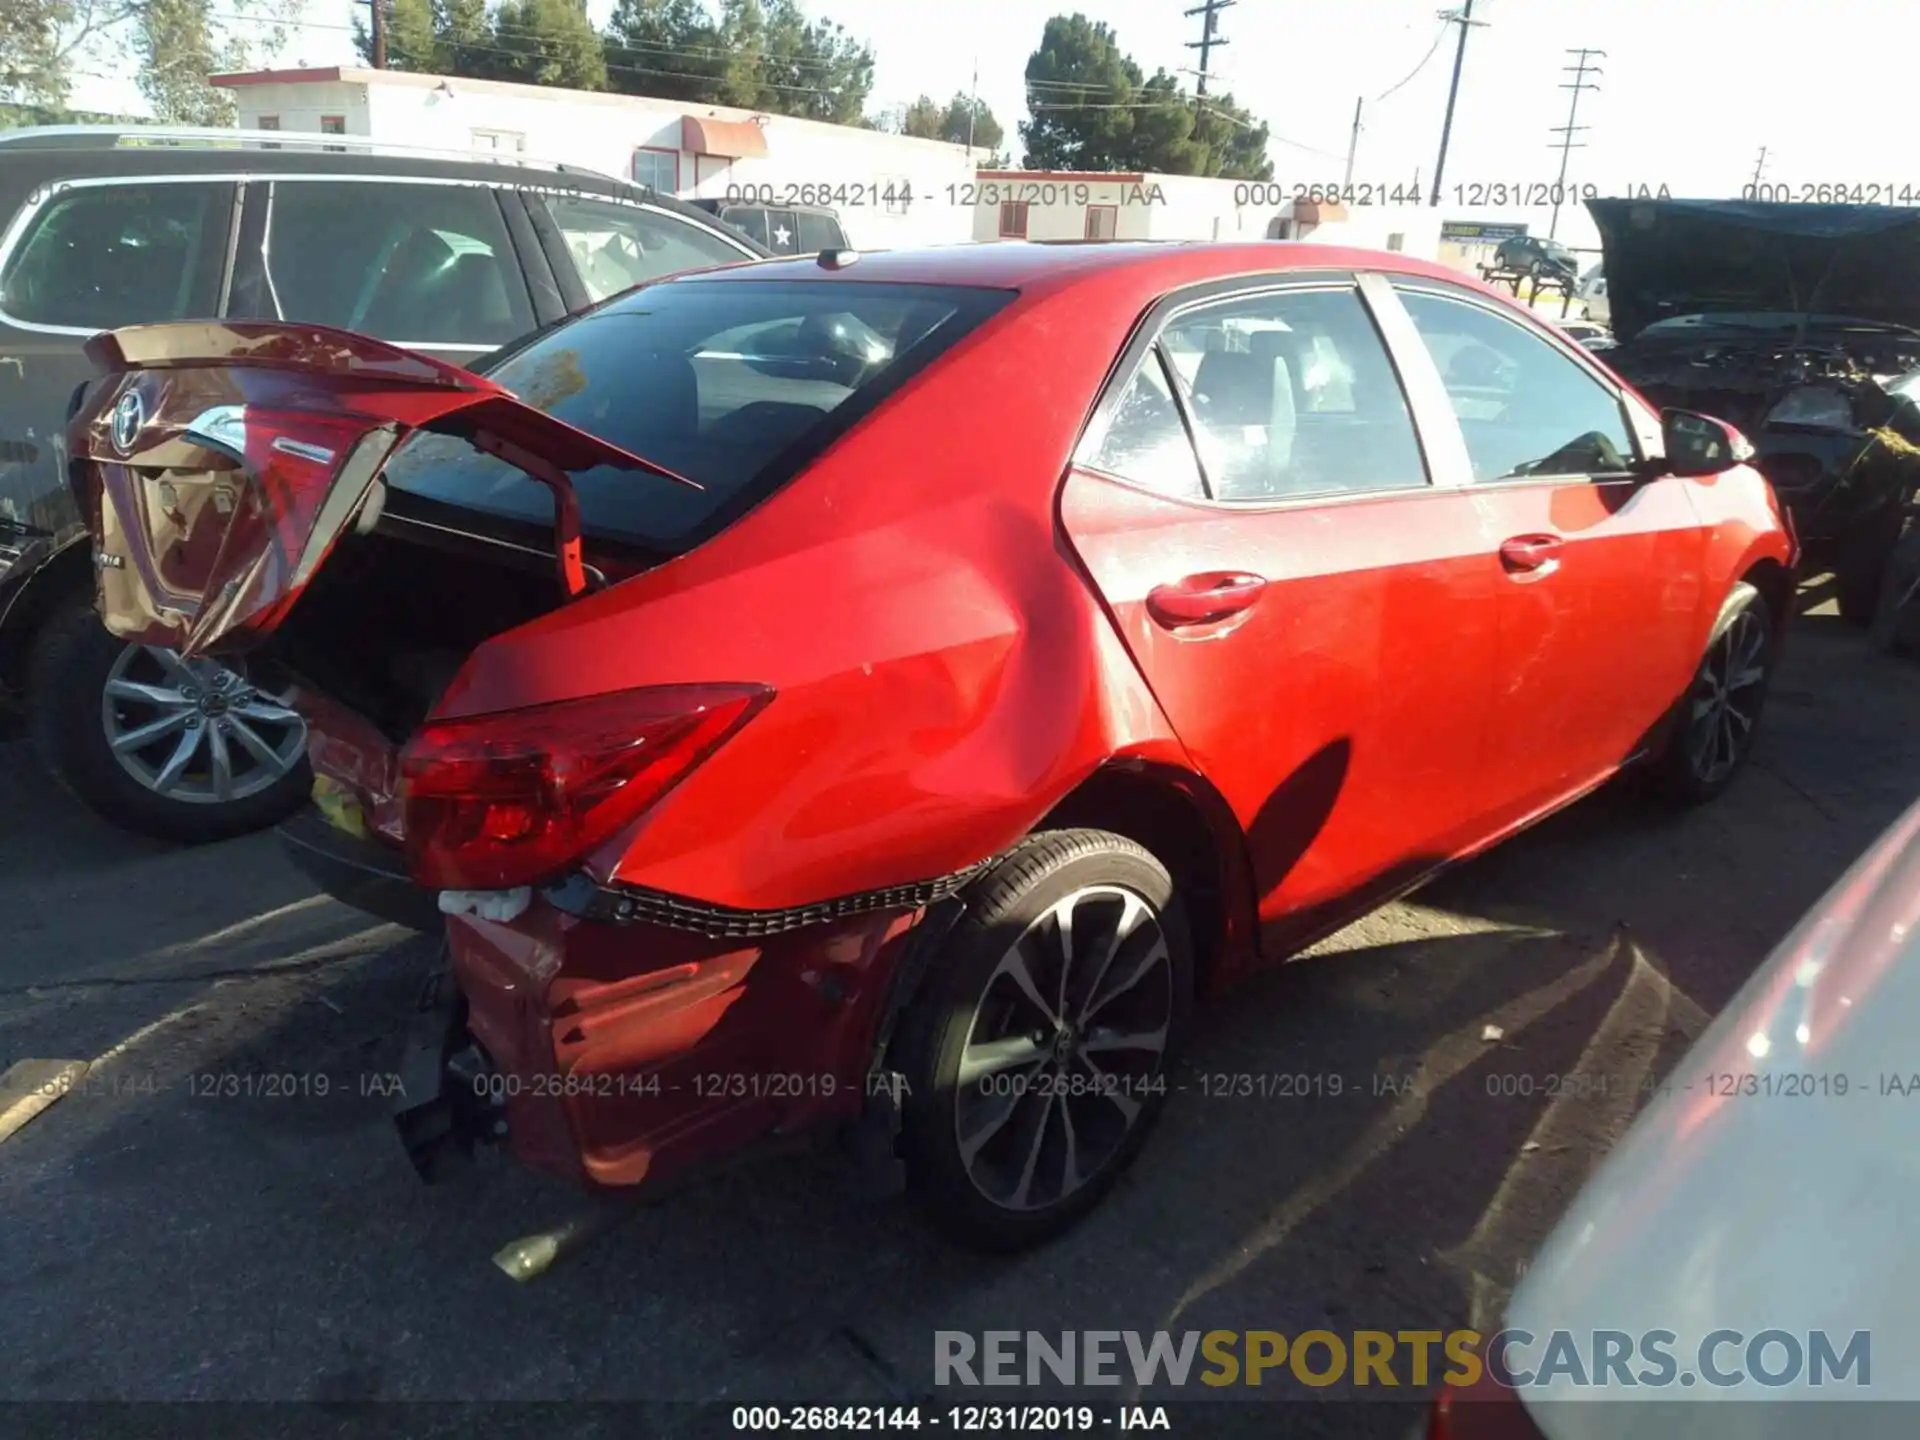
1209, 36
1464, 19
1759, 168
973, 105
1353, 143
379, 31
1580, 70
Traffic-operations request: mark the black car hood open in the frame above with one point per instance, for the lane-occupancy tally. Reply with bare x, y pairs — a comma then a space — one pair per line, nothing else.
1664, 258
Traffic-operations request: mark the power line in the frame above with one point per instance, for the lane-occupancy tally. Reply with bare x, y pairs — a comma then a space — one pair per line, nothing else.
1209, 36
1432, 50
1580, 70
1464, 19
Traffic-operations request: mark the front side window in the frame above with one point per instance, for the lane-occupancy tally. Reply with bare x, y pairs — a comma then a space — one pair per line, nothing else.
99, 257
732, 383
1293, 395
1524, 407
417, 264
619, 246
1146, 440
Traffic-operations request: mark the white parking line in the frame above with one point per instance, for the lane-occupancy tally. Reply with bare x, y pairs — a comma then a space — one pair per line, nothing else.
30, 1086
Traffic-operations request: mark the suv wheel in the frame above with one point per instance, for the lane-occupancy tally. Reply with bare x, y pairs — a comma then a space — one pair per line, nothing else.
185, 750
1037, 1052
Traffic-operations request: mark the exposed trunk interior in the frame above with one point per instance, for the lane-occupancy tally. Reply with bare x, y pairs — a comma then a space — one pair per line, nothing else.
393, 614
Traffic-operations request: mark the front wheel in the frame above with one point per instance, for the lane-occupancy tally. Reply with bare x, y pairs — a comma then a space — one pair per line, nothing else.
1714, 731
183, 750
1037, 1052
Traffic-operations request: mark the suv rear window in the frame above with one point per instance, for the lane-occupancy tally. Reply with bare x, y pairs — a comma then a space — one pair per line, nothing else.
734, 384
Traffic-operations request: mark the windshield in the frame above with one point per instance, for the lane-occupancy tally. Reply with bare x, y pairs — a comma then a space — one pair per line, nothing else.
734, 384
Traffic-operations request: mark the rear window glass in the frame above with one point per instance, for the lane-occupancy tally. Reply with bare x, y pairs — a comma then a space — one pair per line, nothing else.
734, 384
103, 256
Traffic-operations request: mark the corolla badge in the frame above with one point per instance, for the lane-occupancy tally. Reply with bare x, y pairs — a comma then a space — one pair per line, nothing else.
129, 418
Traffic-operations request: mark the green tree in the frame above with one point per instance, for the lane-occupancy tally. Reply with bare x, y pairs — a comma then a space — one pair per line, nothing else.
179, 48
31, 72
1095, 109
930, 120
671, 49
548, 42
1236, 145
924, 118
1079, 88
779, 62
413, 37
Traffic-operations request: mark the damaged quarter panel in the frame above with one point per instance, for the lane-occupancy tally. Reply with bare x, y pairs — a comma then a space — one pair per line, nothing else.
977, 681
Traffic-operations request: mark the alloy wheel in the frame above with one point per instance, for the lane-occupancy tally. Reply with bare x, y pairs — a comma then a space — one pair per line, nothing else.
1726, 698
197, 731
1066, 1045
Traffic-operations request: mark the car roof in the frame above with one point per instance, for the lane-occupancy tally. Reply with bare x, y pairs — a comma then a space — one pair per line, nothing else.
1047, 265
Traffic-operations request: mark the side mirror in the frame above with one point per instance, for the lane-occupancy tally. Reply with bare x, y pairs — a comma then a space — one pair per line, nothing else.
1701, 445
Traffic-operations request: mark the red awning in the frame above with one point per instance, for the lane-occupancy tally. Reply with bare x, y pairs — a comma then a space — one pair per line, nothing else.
736, 139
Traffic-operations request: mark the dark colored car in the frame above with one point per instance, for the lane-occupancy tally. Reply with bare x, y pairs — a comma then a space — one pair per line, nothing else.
783, 229
1535, 256
883, 694
102, 228
1800, 326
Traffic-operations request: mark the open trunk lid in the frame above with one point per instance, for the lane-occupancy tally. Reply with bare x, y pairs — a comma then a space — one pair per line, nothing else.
219, 464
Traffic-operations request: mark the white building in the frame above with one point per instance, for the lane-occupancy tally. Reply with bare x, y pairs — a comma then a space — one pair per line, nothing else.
1072, 205
890, 190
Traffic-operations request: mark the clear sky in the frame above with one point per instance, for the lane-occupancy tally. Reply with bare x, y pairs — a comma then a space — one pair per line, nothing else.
1691, 89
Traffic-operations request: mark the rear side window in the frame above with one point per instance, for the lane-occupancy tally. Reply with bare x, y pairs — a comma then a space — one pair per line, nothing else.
103, 256
417, 264
748, 218
819, 232
1146, 441
733, 384
1293, 395
783, 232
617, 247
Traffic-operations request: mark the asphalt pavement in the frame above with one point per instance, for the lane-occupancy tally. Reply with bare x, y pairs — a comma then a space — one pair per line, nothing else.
158, 1242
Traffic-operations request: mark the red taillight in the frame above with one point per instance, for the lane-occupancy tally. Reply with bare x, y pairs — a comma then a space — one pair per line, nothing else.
1481, 1411
514, 798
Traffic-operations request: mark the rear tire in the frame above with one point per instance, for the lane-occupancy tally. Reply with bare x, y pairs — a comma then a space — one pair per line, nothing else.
1713, 731
1066, 1065
72, 658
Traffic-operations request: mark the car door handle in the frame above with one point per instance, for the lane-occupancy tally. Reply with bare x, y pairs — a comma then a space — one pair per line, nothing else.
1530, 554
1205, 598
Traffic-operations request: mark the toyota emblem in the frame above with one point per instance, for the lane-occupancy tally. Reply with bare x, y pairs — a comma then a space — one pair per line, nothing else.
129, 418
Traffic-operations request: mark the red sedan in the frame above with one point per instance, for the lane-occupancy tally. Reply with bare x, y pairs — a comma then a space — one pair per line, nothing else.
881, 692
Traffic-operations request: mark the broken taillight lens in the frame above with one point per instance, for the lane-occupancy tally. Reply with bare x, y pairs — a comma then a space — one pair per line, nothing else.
515, 798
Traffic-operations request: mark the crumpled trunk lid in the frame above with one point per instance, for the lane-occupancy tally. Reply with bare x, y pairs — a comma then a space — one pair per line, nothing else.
219, 465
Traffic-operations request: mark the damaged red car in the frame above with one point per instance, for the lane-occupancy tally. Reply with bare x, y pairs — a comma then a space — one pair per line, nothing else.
878, 694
